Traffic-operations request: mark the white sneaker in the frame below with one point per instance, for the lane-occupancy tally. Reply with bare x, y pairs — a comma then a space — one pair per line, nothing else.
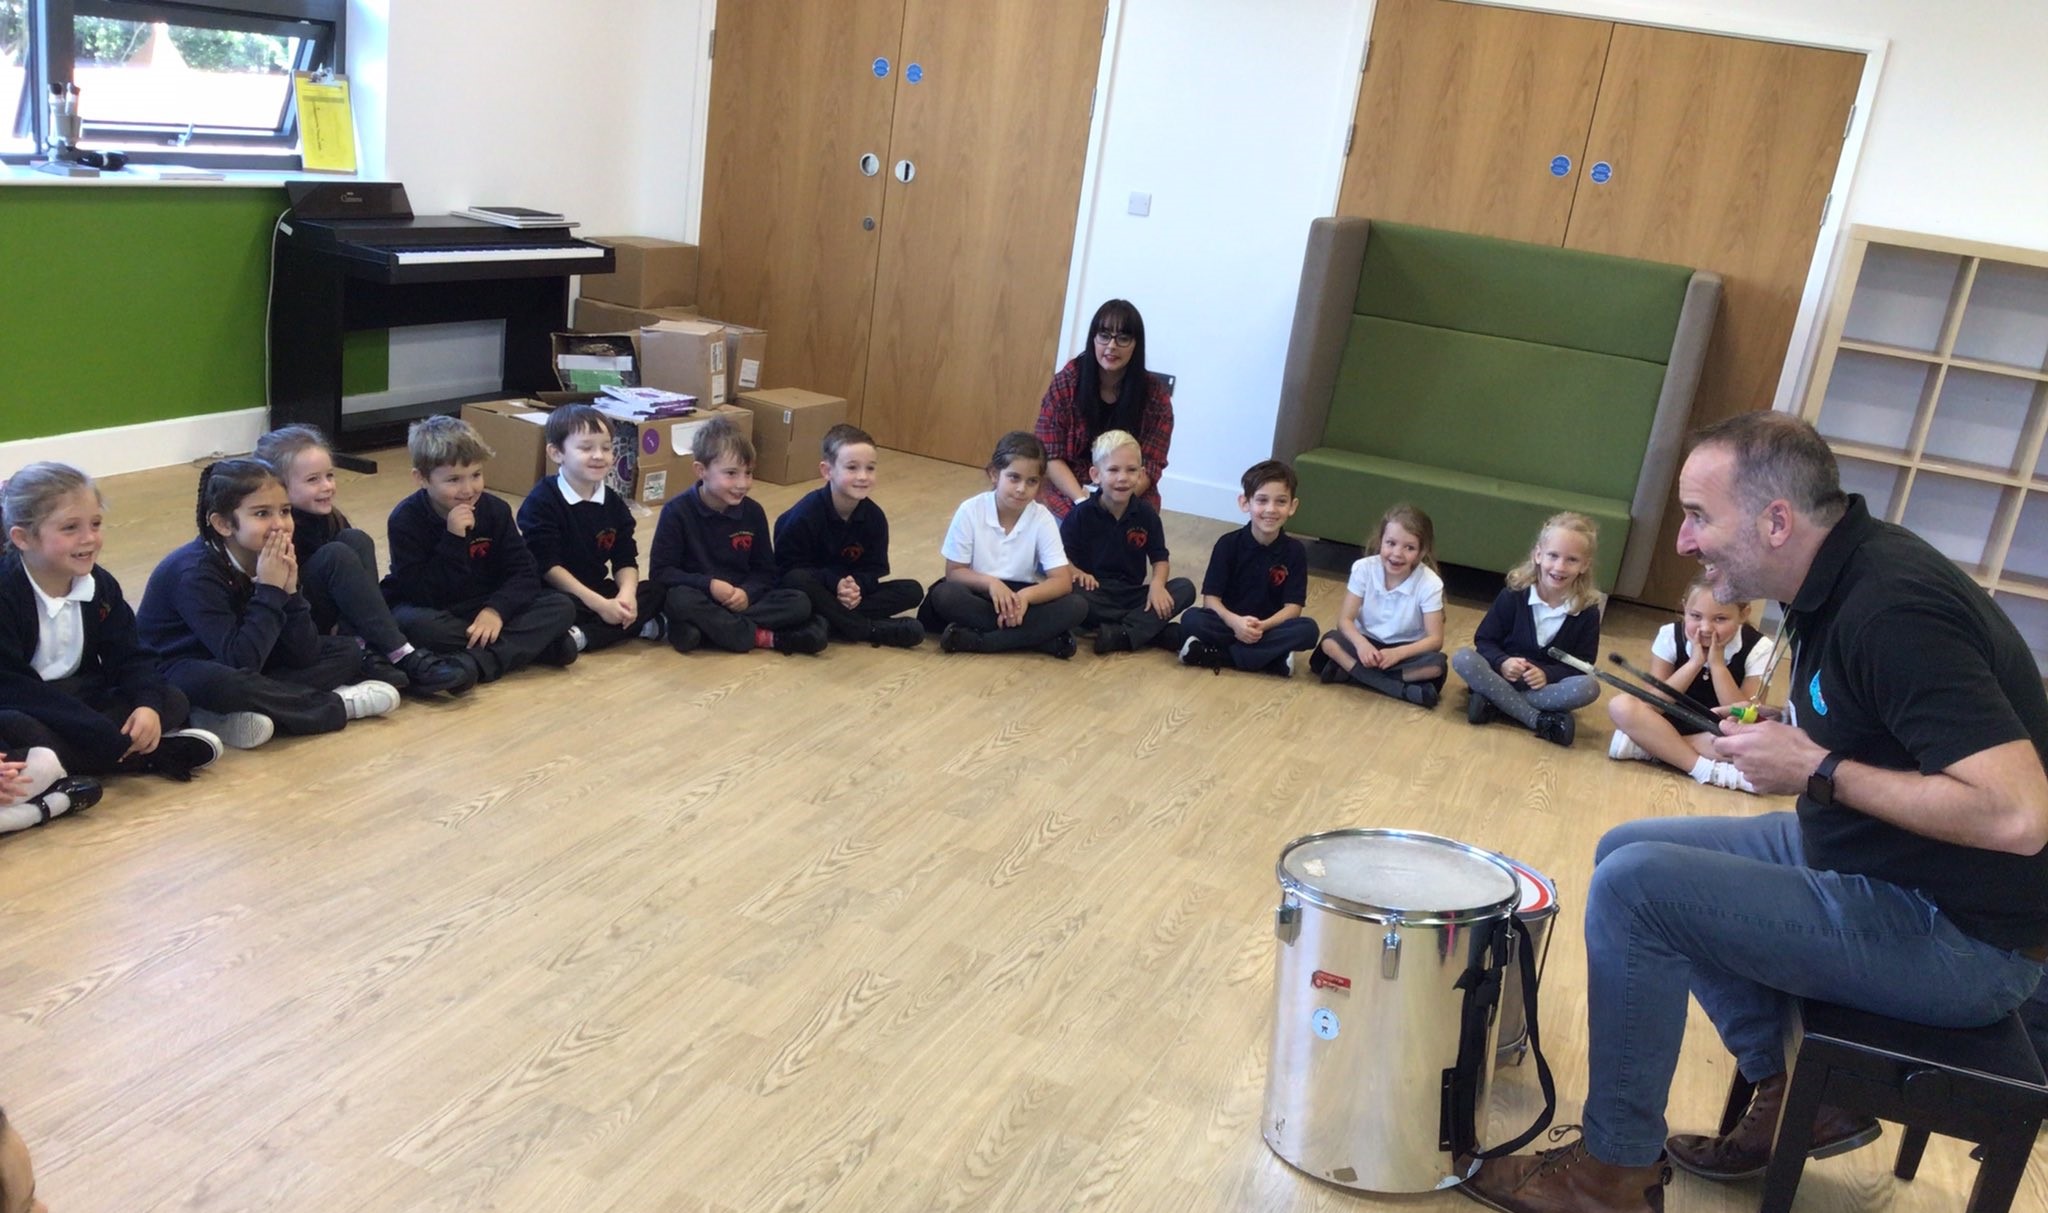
582, 641
238, 730
1623, 748
1726, 775
370, 698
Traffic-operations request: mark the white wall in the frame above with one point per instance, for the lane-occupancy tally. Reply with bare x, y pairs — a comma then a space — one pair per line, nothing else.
1232, 114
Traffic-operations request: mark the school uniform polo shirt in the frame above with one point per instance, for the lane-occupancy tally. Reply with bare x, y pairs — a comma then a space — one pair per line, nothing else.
1666, 644
1257, 579
1114, 550
1026, 552
1900, 661
1548, 619
60, 629
1394, 616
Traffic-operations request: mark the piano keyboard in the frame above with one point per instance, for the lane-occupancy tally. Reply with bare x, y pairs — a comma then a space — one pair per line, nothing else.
494, 252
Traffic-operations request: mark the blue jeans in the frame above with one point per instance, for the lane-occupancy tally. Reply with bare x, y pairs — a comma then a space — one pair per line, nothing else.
1726, 908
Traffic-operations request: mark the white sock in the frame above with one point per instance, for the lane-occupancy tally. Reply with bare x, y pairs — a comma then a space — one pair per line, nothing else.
651, 630
398, 654
576, 634
42, 769
1703, 769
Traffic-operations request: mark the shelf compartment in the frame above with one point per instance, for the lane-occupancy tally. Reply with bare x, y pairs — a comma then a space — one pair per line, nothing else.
1981, 421
2026, 558
2005, 323
1904, 297
1873, 400
1959, 517
2030, 615
1881, 483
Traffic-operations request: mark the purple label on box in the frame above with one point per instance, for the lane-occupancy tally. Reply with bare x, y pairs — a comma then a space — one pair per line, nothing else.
650, 441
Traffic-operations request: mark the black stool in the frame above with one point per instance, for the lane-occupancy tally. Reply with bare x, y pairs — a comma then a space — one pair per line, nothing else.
1980, 1084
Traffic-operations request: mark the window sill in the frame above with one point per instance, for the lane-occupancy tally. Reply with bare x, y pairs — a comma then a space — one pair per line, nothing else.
230, 178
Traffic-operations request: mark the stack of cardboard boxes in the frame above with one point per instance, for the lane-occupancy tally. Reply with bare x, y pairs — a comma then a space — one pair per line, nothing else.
655, 280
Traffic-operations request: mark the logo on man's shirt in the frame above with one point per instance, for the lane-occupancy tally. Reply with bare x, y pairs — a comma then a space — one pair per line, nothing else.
852, 553
1813, 692
606, 538
743, 541
480, 548
1277, 576
1137, 537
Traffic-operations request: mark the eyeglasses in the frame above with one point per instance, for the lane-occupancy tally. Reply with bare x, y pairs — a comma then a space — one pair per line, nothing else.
1122, 341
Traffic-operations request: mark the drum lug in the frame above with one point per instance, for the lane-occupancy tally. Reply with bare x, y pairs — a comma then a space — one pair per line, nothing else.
1390, 954
1287, 920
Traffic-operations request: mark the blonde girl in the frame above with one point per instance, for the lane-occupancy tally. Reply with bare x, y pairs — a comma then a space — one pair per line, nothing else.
1390, 637
1714, 656
1550, 601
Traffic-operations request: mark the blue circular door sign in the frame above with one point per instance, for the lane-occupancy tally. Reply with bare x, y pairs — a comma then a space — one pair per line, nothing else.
1601, 172
914, 73
1560, 165
881, 68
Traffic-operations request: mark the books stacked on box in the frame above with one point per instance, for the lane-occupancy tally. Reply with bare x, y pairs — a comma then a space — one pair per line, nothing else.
515, 216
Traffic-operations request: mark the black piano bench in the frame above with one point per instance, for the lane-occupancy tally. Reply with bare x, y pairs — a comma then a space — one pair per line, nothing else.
1983, 1085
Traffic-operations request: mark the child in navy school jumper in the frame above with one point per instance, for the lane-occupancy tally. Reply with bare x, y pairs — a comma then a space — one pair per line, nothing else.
233, 632
833, 545
1008, 585
1111, 537
461, 578
713, 557
1390, 637
1255, 586
338, 570
1550, 601
1714, 656
581, 535
80, 695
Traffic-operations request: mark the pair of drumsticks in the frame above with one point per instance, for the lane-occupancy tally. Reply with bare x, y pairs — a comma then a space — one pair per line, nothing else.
1680, 706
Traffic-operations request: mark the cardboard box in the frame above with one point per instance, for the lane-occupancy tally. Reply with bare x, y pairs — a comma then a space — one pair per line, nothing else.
746, 351
599, 316
789, 427
650, 273
685, 356
682, 433
585, 362
650, 457
513, 429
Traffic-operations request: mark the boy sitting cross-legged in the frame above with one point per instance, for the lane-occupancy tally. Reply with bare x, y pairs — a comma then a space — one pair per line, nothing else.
712, 554
581, 535
1110, 538
461, 578
833, 544
1256, 585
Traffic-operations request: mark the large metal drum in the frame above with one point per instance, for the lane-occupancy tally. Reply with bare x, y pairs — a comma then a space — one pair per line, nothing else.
1537, 908
1377, 930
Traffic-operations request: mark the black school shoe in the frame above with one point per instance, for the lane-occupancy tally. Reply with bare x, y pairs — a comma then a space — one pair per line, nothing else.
1113, 638
1557, 728
1061, 646
1479, 709
560, 653
956, 639
897, 633
425, 673
379, 668
1202, 655
68, 795
810, 638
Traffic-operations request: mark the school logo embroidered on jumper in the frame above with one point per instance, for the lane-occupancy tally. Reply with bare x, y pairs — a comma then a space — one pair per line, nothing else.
743, 541
1137, 537
480, 549
606, 538
852, 553
1277, 575
105, 607
1813, 692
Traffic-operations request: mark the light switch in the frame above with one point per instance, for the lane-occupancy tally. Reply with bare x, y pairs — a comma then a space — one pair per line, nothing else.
1141, 204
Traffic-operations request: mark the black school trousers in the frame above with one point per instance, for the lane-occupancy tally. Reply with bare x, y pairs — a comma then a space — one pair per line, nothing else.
597, 634
525, 636
951, 602
696, 618
88, 746
340, 584
891, 598
300, 700
1123, 605
1292, 636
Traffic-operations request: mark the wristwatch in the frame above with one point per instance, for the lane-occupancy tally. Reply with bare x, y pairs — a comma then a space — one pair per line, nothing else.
1820, 786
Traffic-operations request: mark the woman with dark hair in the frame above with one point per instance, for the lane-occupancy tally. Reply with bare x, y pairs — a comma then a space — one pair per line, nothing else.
1105, 387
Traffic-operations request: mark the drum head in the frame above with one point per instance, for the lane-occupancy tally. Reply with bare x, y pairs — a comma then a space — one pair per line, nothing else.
1387, 874
1539, 895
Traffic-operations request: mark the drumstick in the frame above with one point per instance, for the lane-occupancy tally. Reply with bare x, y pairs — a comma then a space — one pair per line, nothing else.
1676, 711
1653, 680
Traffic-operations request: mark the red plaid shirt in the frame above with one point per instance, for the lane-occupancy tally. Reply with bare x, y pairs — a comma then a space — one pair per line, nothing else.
1065, 435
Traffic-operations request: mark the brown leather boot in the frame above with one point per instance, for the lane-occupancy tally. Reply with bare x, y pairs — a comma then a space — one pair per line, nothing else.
1567, 1180
1746, 1150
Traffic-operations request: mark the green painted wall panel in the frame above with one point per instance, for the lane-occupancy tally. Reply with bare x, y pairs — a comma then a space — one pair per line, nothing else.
120, 306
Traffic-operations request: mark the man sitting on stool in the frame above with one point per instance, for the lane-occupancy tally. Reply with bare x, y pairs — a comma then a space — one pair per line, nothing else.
1913, 880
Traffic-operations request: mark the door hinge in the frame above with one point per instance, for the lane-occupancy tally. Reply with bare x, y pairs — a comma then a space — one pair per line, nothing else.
1349, 135
1851, 121
1367, 61
1826, 204
711, 51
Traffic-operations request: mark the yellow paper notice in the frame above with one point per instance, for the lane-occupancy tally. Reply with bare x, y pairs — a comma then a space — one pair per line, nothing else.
327, 127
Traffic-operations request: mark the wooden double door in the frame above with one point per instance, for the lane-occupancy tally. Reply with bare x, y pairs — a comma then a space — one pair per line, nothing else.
891, 188
1703, 150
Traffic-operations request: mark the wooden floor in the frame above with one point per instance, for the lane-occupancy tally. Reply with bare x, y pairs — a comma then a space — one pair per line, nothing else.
869, 931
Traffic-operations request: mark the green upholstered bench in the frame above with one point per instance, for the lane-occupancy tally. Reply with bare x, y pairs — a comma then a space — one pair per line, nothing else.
1492, 383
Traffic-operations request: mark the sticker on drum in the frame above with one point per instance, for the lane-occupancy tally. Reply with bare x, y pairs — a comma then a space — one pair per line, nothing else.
1324, 1023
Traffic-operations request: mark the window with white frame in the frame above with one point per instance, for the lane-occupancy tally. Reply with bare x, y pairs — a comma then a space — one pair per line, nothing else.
166, 81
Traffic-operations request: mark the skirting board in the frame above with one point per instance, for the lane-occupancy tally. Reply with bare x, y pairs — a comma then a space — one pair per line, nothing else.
150, 444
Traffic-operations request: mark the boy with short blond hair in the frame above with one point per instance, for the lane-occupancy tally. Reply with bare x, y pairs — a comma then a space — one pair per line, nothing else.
713, 555
1256, 585
461, 578
581, 534
1111, 537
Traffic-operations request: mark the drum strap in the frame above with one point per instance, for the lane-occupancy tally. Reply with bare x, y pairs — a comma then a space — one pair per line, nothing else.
1526, 945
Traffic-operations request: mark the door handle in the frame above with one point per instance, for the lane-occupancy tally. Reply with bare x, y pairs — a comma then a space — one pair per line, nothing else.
905, 171
870, 164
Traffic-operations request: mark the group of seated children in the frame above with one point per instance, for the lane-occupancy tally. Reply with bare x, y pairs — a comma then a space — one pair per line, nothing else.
273, 617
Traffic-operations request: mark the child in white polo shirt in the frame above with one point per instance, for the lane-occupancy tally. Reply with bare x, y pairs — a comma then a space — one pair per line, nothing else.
1007, 584
1390, 637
